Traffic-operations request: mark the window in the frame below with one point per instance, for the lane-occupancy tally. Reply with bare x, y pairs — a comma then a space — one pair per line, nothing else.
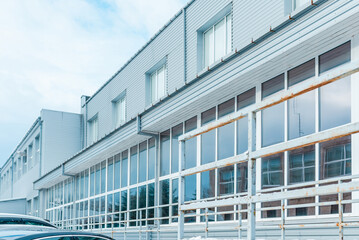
273, 125
143, 162
218, 40
94, 130
158, 83
176, 132
272, 171
335, 104
335, 57
208, 179
165, 153
120, 111
226, 180
246, 99
295, 4
133, 165
208, 139
273, 85
191, 144
302, 165
301, 72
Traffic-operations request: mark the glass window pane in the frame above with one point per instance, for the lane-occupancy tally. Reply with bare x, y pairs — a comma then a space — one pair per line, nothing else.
133, 198
124, 169
246, 99
98, 179
190, 187
226, 108
273, 125
335, 57
117, 171
175, 190
208, 179
208, 48
142, 196
242, 177
301, 115
161, 82
153, 84
176, 132
273, 85
92, 182
143, 162
301, 72
151, 195
165, 153
219, 40
335, 104
226, 141
208, 116
164, 192
117, 202
272, 171
226, 180
229, 33
208, 147
133, 165
191, 144
103, 176
301, 164
151, 158
110, 175
242, 135
109, 203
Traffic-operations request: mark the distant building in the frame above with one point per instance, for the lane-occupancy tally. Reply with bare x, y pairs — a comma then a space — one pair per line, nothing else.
53, 137
240, 114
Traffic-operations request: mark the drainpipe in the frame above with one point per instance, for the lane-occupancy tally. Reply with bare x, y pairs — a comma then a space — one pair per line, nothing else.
156, 135
184, 46
40, 150
12, 177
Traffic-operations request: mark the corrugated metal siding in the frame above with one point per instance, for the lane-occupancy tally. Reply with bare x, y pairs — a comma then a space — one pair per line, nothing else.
132, 78
247, 69
252, 19
198, 14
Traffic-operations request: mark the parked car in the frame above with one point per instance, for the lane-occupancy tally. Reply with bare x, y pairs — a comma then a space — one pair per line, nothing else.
17, 219
46, 233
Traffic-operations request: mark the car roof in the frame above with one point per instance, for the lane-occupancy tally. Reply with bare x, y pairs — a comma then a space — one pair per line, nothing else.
29, 233
16, 231
25, 217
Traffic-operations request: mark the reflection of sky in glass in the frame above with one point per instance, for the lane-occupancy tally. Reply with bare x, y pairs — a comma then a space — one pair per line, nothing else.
191, 153
190, 187
143, 167
273, 125
207, 184
301, 115
133, 169
242, 135
208, 147
335, 104
226, 141
165, 155
151, 161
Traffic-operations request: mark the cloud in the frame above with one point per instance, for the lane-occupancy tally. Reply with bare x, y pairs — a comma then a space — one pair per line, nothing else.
52, 52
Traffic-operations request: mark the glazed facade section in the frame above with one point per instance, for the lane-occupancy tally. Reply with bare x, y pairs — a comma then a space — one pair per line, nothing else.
122, 190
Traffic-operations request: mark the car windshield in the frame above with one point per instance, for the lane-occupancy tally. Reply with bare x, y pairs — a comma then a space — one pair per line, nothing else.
21, 221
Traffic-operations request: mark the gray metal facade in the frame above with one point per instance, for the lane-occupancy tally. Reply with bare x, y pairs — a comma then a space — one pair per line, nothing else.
269, 38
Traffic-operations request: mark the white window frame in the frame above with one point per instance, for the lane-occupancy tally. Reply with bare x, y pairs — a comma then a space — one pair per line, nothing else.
154, 90
295, 2
228, 49
93, 125
120, 111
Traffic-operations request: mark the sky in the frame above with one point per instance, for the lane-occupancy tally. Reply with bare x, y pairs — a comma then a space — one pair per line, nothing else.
52, 52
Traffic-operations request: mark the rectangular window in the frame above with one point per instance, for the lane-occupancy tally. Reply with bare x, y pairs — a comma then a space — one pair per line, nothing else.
151, 158
218, 40
272, 171
191, 144
246, 99
301, 72
301, 115
190, 189
110, 174
93, 130
103, 176
335, 104
299, 3
158, 83
133, 165
124, 169
117, 171
242, 177
165, 153
302, 165
226, 180
208, 139
120, 111
242, 135
273, 125
143, 162
335, 57
176, 132
208, 179
273, 85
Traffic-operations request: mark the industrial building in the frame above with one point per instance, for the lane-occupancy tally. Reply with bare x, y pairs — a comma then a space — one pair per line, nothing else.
238, 119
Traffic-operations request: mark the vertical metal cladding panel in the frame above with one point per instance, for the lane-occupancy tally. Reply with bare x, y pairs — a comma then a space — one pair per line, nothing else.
252, 19
198, 14
132, 78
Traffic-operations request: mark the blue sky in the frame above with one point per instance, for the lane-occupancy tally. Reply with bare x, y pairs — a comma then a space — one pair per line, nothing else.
52, 52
